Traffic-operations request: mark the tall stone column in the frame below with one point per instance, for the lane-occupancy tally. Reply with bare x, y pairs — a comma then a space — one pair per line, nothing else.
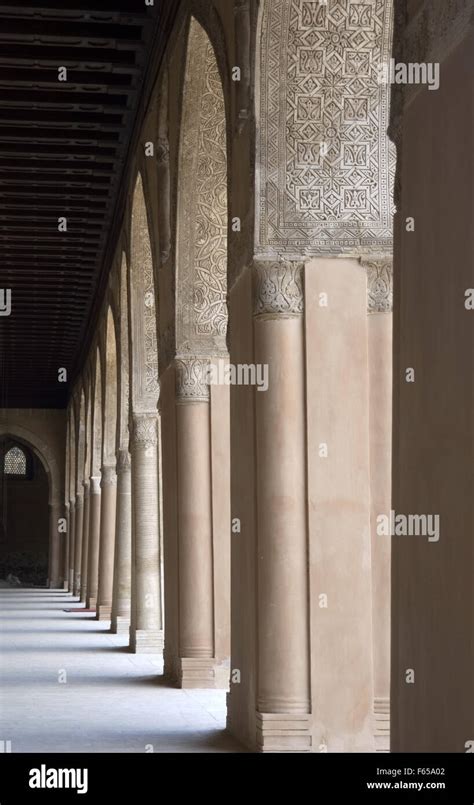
85, 541
65, 552
78, 527
55, 571
195, 563
123, 546
283, 687
379, 308
94, 542
72, 522
107, 542
146, 629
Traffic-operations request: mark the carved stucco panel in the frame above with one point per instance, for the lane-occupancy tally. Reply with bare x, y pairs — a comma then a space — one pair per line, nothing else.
202, 225
325, 164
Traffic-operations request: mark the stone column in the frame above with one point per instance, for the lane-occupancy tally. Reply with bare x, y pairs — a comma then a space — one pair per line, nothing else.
146, 629
379, 308
94, 542
85, 541
72, 521
78, 527
195, 570
55, 572
123, 546
107, 542
283, 688
65, 553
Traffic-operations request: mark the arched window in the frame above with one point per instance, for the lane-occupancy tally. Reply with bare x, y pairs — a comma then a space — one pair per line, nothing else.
15, 462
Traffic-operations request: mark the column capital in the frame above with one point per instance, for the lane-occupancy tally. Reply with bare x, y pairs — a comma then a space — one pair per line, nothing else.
109, 475
86, 485
123, 460
379, 284
95, 485
278, 288
192, 379
144, 431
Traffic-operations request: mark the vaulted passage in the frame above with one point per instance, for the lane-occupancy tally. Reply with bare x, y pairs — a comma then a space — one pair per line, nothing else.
235, 321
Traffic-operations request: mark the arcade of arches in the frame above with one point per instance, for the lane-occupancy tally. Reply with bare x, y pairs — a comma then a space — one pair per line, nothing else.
231, 528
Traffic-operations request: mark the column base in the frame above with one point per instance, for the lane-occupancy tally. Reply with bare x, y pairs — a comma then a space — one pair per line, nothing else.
143, 641
382, 725
120, 625
283, 732
104, 612
196, 672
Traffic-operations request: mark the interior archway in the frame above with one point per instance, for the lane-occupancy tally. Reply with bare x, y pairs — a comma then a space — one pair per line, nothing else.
24, 513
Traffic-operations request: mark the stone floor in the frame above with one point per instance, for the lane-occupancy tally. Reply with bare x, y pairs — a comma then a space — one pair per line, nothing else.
111, 701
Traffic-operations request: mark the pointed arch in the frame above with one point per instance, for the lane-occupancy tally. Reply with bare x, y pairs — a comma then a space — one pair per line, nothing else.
110, 399
96, 450
124, 357
143, 307
80, 440
201, 281
72, 453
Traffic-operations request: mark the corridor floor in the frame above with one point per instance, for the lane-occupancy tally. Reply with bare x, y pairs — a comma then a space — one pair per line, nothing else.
111, 700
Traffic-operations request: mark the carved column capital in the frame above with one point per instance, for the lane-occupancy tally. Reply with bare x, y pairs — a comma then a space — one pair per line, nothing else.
379, 285
86, 485
192, 380
144, 430
109, 475
95, 485
278, 288
123, 461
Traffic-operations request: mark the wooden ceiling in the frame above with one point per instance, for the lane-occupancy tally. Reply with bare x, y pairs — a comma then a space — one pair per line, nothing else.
65, 152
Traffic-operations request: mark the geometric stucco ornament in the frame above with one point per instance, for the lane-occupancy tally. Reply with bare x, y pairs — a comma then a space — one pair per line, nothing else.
278, 288
325, 164
379, 285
